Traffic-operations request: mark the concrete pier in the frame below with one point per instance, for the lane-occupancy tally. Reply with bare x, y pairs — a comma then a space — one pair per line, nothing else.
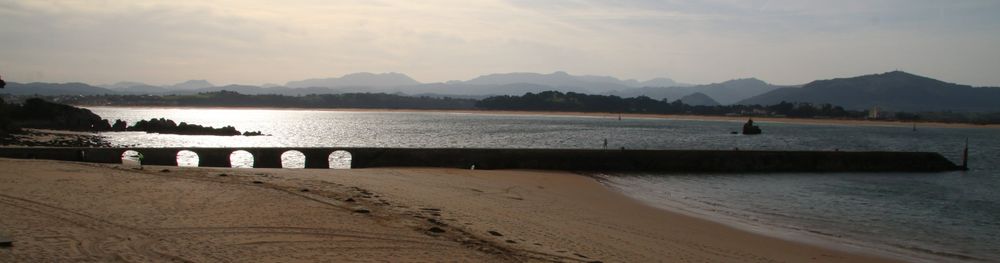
667, 161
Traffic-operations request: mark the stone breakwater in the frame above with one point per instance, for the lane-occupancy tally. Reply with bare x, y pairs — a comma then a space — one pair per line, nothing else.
663, 161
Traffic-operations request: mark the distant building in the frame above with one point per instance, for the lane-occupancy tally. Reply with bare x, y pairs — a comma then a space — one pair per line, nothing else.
874, 113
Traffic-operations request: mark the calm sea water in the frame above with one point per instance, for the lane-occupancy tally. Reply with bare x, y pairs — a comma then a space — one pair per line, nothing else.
950, 216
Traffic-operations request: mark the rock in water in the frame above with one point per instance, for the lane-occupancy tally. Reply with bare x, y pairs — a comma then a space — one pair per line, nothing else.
750, 129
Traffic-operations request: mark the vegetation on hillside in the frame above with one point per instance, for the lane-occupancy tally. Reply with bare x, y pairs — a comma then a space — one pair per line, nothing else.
543, 101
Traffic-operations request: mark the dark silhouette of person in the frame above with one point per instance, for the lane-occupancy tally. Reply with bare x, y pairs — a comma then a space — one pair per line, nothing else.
2, 83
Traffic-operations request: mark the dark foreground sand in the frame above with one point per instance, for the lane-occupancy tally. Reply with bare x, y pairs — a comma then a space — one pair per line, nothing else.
63, 211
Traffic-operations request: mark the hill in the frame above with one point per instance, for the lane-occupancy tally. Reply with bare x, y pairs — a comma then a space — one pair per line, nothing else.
725, 93
363, 79
47, 89
563, 81
190, 85
699, 99
894, 91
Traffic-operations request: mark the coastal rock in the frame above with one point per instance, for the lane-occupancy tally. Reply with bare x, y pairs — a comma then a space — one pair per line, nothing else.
252, 133
167, 126
119, 125
750, 129
41, 114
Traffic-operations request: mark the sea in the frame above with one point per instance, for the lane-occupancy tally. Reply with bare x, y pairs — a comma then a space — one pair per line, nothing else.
922, 217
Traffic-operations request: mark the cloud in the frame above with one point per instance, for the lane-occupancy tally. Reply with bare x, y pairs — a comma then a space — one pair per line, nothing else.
256, 41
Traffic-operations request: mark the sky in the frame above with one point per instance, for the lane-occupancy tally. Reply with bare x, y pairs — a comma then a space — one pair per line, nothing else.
255, 42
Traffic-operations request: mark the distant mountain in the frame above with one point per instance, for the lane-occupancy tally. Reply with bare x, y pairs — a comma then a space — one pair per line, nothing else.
662, 82
699, 99
73, 88
363, 79
564, 81
144, 89
123, 85
190, 85
897, 90
724, 93
132, 87
486, 85
464, 90
732, 91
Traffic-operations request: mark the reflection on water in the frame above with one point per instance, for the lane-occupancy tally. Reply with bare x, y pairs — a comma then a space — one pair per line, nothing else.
241, 159
187, 158
340, 160
293, 159
130, 157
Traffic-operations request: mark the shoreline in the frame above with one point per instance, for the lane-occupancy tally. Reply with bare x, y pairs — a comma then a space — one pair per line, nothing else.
808, 121
799, 234
30, 137
481, 215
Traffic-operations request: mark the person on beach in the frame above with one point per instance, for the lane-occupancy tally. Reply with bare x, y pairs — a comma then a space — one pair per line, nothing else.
139, 156
2, 83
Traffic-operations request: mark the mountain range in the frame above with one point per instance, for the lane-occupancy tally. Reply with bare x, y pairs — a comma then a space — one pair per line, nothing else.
363, 79
894, 91
726, 93
699, 99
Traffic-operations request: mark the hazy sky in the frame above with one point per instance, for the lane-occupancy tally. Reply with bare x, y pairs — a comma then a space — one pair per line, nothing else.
254, 42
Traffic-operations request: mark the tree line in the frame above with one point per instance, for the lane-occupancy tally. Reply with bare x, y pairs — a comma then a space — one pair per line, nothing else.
571, 101
234, 99
542, 101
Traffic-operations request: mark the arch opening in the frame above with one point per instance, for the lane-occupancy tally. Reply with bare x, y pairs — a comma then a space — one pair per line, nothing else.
241, 159
131, 157
339, 159
293, 159
186, 158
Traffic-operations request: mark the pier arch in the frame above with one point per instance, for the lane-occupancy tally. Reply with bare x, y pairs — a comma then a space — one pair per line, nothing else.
187, 158
241, 159
293, 159
131, 157
340, 159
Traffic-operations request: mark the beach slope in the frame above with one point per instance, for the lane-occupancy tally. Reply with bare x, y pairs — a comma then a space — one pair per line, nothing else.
64, 211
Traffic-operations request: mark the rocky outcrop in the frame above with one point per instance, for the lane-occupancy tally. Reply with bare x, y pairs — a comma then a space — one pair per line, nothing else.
119, 125
166, 126
40, 114
750, 129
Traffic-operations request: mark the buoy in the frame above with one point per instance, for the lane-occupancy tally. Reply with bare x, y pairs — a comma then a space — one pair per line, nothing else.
965, 155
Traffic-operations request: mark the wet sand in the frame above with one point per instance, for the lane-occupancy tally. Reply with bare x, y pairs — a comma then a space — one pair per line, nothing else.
64, 211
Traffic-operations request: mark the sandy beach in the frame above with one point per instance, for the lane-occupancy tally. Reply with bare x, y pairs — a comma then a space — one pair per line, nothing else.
64, 211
